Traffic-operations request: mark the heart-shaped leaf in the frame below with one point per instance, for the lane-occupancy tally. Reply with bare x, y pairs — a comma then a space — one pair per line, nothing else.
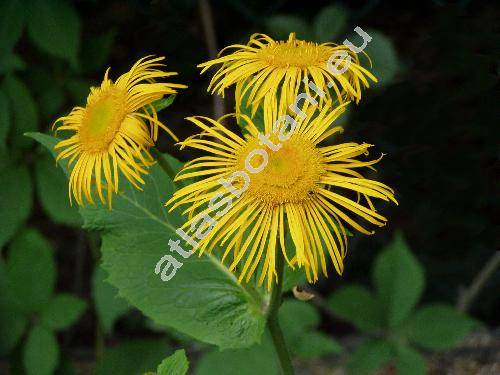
203, 299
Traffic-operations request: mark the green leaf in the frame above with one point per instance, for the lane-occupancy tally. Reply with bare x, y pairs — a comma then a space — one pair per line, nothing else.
297, 316
24, 111
409, 361
176, 364
41, 352
438, 327
12, 326
314, 345
258, 359
51, 101
11, 24
399, 279
299, 321
383, 54
10, 63
281, 25
52, 191
293, 277
330, 22
31, 271
15, 201
95, 51
48, 142
54, 27
108, 305
163, 103
357, 305
203, 299
132, 357
369, 357
4, 120
62, 311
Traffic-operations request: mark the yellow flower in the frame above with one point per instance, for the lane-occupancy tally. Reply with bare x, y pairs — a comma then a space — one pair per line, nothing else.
286, 182
273, 72
113, 132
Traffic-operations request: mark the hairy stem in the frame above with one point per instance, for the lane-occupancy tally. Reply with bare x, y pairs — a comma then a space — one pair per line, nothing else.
273, 321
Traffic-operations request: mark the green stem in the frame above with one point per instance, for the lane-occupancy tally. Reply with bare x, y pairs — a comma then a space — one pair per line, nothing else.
163, 163
273, 321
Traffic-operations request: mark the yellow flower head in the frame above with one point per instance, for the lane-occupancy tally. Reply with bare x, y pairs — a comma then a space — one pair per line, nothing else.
286, 183
114, 131
273, 72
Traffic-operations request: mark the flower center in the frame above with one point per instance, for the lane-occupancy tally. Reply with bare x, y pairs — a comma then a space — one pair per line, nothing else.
103, 117
294, 53
291, 174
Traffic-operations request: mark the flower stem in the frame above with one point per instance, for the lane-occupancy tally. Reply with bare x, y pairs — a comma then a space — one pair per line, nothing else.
163, 163
273, 321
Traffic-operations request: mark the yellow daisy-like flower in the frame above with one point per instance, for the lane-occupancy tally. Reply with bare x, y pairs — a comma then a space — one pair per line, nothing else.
260, 187
113, 132
272, 72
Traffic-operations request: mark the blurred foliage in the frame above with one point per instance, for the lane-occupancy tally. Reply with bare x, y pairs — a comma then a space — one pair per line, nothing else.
300, 322
176, 364
433, 111
57, 69
326, 26
133, 357
28, 303
390, 319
